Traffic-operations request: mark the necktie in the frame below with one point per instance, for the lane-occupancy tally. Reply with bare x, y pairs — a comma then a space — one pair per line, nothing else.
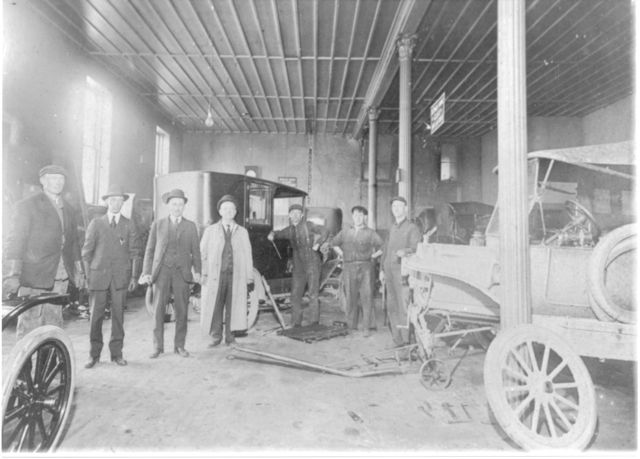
113, 222
227, 229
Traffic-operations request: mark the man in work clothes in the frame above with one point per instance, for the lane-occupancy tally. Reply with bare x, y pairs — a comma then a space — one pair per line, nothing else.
358, 246
403, 239
305, 239
173, 249
111, 256
43, 250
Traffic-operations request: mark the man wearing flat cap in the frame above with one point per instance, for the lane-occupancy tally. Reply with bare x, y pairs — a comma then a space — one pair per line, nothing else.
402, 241
306, 238
172, 252
43, 250
227, 275
358, 246
111, 254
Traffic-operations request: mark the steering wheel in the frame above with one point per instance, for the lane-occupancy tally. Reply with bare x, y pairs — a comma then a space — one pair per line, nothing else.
580, 217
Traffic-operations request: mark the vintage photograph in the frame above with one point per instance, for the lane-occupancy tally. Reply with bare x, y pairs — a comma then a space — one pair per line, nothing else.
319, 228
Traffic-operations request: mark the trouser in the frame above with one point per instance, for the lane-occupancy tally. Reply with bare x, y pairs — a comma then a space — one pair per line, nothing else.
44, 314
97, 303
223, 307
396, 305
170, 280
306, 275
357, 281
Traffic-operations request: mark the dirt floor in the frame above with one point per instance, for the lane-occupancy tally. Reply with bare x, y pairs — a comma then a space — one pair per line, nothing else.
224, 401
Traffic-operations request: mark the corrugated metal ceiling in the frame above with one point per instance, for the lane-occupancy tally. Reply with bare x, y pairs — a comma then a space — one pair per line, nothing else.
287, 66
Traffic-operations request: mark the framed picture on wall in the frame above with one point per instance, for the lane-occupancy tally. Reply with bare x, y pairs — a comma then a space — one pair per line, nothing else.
291, 181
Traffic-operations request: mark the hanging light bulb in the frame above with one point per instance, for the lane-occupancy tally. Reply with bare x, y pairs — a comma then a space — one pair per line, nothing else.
209, 121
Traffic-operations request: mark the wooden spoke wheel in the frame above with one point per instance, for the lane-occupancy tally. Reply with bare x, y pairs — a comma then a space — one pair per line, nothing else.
254, 298
38, 391
539, 390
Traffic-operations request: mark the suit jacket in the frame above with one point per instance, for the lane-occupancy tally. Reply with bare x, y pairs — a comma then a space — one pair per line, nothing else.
107, 252
36, 239
188, 248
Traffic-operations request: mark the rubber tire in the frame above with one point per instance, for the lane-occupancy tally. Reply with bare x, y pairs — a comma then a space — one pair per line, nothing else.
22, 351
610, 246
253, 302
580, 434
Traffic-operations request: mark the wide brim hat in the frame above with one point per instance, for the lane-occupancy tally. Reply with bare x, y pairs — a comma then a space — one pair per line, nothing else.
176, 193
115, 190
296, 207
227, 198
52, 169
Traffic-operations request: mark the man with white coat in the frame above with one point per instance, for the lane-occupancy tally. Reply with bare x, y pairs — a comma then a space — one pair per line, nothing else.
227, 275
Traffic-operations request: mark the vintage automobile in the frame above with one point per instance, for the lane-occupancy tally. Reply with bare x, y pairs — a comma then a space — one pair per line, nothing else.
582, 253
454, 222
38, 380
263, 205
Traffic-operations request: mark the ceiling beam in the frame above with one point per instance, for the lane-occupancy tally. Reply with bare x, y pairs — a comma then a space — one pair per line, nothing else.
285, 71
334, 29
407, 19
345, 72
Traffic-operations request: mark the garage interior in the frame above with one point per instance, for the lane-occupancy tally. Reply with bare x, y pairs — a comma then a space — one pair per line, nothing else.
334, 97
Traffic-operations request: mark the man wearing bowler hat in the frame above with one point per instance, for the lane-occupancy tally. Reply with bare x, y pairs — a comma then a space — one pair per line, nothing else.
402, 240
111, 256
42, 250
172, 251
306, 238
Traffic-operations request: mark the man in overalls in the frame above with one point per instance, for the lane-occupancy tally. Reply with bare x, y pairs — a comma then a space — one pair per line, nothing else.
306, 238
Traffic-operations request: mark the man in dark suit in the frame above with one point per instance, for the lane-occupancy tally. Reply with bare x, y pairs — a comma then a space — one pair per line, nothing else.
173, 249
111, 254
42, 250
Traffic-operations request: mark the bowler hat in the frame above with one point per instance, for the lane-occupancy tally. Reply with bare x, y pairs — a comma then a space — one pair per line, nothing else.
52, 169
296, 207
398, 198
227, 198
176, 193
115, 190
360, 209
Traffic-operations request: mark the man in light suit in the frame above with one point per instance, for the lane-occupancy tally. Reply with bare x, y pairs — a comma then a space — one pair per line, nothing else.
173, 249
42, 250
111, 255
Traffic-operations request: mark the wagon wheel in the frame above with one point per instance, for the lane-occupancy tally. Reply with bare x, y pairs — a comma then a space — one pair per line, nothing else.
38, 391
434, 374
539, 389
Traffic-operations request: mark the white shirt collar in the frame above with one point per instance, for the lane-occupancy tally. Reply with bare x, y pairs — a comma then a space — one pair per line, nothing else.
175, 220
110, 217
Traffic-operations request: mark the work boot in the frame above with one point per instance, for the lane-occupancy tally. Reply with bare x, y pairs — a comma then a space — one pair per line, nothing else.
215, 342
91, 362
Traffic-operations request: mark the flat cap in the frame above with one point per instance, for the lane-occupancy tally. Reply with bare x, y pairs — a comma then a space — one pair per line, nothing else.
52, 169
177, 193
296, 207
227, 198
360, 209
398, 198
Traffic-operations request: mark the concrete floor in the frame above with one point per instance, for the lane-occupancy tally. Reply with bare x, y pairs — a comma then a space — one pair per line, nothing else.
211, 403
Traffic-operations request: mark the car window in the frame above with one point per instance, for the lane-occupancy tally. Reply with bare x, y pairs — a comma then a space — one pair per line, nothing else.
258, 205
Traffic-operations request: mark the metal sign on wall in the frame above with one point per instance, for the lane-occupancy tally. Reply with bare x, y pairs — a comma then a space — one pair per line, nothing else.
437, 113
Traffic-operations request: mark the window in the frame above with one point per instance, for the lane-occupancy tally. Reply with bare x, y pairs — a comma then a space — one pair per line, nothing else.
96, 141
448, 163
162, 151
258, 205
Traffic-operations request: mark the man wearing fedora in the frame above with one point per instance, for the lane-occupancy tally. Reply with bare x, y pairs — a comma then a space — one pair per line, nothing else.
173, 250
306, 238
42, 250
227, 275
111, 254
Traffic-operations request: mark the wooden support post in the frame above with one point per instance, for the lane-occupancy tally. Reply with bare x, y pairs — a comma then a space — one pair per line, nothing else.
405, 51
373, 149
515, 304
